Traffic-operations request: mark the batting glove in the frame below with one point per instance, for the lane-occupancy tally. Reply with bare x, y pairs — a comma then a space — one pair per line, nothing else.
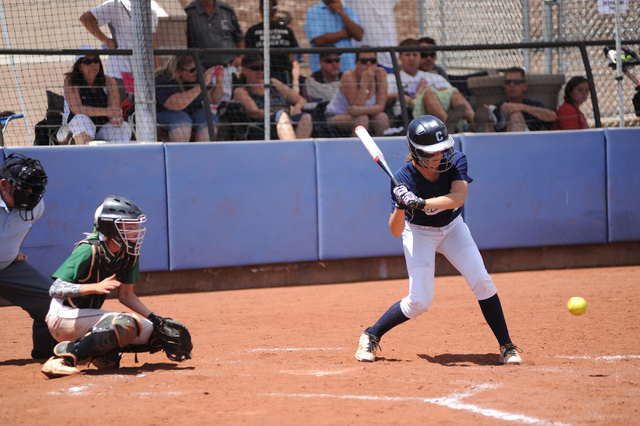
398, 192
406, 198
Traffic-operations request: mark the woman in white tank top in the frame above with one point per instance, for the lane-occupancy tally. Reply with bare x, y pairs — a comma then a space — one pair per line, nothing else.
361, 97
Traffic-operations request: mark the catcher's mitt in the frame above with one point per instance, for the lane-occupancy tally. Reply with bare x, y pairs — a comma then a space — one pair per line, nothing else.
172, 336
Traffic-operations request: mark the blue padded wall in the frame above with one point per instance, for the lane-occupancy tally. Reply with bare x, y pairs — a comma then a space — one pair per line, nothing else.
80, 177
623, 184
241, 203
536, 189
354, 201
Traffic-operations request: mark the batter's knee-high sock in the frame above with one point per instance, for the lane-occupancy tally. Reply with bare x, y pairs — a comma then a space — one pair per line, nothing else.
390, 319
492, 311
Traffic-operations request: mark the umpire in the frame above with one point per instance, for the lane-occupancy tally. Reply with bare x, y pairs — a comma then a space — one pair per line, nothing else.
22, 184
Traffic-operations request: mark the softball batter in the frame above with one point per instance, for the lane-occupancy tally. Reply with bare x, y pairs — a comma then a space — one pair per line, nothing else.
426, 212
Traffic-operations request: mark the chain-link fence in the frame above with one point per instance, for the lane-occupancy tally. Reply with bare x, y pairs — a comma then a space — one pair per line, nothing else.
33, 68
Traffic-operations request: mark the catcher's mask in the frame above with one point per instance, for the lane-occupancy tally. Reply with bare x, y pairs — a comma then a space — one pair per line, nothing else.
426, 137
27, 179
120, 220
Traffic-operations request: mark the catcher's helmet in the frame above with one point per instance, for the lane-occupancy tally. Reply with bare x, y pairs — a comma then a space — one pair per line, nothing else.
426, 136
27, 179
120, 220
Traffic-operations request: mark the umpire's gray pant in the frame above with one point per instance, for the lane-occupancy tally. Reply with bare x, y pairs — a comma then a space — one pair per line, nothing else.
27, 287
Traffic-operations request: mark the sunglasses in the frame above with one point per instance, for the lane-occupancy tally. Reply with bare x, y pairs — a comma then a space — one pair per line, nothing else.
364, 61
88, 61
330, 61
427, 54
256, 68
513, 81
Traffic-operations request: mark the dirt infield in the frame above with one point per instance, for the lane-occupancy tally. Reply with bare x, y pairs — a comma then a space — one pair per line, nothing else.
285, 356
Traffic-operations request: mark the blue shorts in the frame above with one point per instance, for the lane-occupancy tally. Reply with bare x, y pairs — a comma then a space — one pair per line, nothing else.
171, 120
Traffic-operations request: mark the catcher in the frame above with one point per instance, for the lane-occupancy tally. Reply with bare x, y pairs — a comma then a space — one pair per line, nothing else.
107, 260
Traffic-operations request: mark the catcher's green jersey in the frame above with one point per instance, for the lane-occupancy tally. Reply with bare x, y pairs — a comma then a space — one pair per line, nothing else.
92, 262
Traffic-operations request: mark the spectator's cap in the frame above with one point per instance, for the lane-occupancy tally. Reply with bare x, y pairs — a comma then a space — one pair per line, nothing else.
252, 60
84, 47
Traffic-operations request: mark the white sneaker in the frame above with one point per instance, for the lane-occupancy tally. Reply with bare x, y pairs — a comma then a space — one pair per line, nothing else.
56, 367
367, 348
509, 354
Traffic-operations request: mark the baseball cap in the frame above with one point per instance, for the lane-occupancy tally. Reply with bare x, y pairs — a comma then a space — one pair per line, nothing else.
251, 60
85, 47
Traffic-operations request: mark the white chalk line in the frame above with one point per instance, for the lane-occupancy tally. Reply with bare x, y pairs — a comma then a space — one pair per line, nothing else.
316, 373
294, 349
452, 401
608, 358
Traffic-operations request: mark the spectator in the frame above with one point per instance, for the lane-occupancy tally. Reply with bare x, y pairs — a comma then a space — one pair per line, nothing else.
327, 23
117, 15
92, 103
379, 23
251, 95
214, 24
22, 184
280, 35
322, 84
428, 93
518, 113
361, 98
428, 59
179, 106
569, 116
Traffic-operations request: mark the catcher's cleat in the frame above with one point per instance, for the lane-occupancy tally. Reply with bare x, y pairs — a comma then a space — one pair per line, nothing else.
368, 346
57, 367
509, 354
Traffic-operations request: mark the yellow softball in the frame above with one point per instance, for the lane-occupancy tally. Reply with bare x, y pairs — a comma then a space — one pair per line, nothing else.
577, 305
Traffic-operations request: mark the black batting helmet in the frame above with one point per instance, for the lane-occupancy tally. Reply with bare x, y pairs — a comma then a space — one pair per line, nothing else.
27, 179
426, 136
120, 220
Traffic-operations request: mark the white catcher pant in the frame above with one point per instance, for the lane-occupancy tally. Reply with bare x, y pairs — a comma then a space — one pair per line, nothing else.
70, 324
454, 241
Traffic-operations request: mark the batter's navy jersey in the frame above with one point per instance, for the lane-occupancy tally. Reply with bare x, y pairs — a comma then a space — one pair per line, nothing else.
423, 188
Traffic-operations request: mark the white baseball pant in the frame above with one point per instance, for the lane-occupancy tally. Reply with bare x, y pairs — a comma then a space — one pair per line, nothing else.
70, 324
454, 241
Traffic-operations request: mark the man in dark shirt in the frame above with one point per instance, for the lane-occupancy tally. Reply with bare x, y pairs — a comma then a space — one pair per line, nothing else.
280, 35
214, 24
519, 114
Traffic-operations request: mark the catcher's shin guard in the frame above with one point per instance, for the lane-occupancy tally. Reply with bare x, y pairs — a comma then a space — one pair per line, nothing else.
111, 332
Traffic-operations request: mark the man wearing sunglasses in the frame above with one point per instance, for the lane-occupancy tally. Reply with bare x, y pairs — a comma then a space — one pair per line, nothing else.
519, 114
322, 84
428, 59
